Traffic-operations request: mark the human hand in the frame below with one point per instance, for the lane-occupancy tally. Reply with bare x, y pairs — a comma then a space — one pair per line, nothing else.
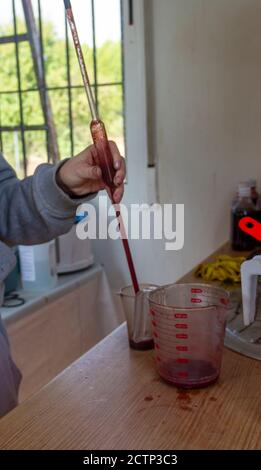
81, 175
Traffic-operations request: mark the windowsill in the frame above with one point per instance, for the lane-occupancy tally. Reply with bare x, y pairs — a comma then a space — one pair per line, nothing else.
35, 300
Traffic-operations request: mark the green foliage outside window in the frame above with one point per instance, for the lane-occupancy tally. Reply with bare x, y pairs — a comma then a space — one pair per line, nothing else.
110, 97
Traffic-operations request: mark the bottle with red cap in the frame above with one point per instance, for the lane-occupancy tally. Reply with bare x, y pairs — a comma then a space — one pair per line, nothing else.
258, 214
243, 206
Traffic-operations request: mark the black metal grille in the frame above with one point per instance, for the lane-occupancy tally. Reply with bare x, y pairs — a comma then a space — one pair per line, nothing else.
21, 127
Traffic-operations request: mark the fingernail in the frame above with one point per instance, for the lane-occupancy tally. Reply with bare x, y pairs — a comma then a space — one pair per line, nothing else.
117, 165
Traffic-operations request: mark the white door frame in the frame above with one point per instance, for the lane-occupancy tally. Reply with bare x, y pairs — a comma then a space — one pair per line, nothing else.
138, 187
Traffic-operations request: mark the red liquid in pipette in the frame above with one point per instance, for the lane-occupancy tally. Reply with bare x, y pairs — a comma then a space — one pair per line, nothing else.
104, 154
105, 158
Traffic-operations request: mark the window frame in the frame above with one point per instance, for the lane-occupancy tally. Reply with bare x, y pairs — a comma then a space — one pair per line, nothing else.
141, 185
20, 92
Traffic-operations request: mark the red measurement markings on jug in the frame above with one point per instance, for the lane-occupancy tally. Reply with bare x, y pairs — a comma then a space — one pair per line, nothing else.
182, 360
196, 301
196, 291
182, 348
181, 315
181, 326
181, 336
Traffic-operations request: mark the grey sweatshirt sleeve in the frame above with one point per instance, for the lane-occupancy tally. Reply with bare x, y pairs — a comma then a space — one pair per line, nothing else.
33, 210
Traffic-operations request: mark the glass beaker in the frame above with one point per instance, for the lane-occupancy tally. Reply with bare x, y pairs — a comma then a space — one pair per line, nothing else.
137, 314
188, 323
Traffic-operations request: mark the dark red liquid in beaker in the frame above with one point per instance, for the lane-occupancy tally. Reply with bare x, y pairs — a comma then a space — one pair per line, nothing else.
194, 374
142, 345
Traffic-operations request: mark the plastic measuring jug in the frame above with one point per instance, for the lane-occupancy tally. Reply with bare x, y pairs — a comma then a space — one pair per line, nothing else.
137, 314
188, 322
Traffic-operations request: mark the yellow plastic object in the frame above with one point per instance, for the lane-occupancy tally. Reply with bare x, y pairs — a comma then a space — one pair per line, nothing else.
224, 269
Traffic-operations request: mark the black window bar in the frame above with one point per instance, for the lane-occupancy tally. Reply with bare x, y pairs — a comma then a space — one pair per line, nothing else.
16, 38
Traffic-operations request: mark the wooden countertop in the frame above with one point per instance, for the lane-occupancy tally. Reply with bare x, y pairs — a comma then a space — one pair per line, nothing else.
112, 398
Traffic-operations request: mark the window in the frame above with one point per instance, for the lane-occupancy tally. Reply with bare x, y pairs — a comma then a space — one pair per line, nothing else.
23, 128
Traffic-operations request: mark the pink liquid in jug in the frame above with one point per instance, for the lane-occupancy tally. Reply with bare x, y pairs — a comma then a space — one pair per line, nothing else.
195, 374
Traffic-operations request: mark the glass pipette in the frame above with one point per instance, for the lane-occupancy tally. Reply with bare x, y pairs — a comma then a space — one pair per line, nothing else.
100, 140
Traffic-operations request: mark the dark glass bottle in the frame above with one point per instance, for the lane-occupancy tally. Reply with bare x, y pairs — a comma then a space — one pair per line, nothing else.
242, 207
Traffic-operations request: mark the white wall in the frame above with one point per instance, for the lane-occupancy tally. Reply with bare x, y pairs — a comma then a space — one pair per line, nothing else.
205, 96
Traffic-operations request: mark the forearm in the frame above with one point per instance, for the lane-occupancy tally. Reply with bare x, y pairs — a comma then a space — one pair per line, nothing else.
35, 209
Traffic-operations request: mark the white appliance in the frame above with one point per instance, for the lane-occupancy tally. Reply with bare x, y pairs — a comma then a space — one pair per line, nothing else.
38, 267
250, 270
73, 254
